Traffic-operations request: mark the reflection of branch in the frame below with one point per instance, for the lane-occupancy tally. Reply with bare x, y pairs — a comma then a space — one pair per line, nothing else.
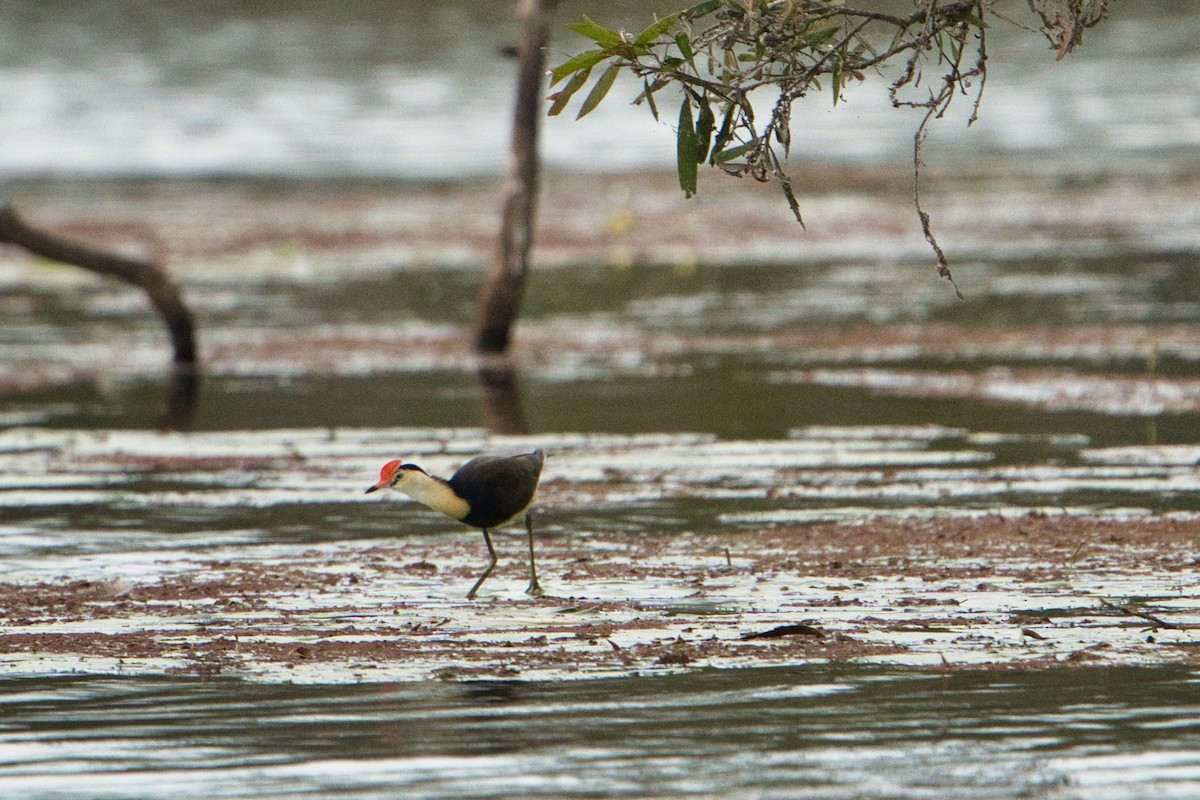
503, 411
182, 387
148, 276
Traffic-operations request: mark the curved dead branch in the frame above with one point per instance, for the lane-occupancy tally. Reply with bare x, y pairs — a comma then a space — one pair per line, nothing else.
148, 276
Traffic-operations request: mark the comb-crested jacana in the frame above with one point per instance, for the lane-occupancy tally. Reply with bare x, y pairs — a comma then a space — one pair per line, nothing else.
485, 492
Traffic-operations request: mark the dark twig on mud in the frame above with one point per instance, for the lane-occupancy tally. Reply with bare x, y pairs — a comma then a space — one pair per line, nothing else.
785, 630
1129, 610
149, 277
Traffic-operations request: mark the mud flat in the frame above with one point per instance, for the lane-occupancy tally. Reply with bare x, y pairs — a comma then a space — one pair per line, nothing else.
658, 553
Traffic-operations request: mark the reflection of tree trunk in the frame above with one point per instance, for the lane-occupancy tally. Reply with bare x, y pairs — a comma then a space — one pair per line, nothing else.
501, 298
182, 388
148, 276
503, 412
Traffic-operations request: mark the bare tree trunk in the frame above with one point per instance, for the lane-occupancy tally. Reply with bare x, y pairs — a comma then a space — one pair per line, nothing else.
500, 301
149, 277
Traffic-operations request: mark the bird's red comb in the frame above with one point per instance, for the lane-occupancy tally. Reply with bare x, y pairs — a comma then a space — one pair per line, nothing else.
388, 471
386, 475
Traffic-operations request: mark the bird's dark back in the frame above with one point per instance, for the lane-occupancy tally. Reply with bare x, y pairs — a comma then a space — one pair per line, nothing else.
497, 488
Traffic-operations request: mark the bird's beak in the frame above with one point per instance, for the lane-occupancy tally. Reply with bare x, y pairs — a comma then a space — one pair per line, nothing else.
374, 488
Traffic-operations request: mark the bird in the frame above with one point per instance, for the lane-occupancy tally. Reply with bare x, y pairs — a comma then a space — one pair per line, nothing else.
485, 492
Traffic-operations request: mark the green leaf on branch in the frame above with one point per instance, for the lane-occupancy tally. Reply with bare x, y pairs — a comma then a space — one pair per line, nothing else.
817, 38
704, 129
597, 33
684, 43
585, 60
648, 90
656, 30
724, 134
701, 9
686, 149
792, 202
725, 156
603, 84
559, 100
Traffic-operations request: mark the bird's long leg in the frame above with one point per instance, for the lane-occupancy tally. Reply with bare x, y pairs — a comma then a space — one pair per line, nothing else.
492, 552
535, 588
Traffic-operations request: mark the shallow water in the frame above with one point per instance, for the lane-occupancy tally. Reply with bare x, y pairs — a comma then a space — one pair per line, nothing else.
404, 90
833, 381
824, 732
737, 352
677, 404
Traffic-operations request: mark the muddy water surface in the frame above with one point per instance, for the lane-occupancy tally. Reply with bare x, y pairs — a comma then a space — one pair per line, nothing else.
811, 525
824, 732
806, 523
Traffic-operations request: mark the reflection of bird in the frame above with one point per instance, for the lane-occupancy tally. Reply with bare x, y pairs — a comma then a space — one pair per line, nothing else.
485, 492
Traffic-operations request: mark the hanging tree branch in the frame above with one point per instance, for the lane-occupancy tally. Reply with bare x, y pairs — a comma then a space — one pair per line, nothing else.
720, 53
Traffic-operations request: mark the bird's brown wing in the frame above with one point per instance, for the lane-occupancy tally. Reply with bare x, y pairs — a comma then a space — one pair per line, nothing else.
497, 488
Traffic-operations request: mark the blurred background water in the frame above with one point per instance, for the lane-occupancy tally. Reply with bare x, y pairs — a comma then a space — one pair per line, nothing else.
416, 90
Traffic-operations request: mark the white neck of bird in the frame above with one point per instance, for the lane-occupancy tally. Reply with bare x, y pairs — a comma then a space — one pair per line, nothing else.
434, 493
